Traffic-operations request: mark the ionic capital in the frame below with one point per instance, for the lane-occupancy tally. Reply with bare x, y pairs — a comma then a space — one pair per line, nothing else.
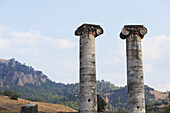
95, 30
133, 29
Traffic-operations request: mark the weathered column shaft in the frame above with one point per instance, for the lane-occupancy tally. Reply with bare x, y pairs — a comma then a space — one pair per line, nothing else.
88, 73
88, 91
135, 82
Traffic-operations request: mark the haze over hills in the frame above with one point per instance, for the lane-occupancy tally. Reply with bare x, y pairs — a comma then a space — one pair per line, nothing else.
34, 85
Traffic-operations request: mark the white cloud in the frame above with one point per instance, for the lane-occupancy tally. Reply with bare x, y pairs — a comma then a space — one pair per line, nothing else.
3, 28
73, 66
149, 68
59, 43
32, 40
163, 87
42, 52
30, 34
120, 51
119, 54
4, 43
26, 51
155, 47
29, 39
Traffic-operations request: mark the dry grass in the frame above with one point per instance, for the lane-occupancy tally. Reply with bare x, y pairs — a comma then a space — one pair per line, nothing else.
158, 94
14, 106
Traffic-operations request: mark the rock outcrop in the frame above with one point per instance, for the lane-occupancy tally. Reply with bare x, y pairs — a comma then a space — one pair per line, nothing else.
20, 74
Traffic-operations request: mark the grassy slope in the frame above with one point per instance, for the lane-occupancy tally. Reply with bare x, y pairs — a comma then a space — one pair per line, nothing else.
9, 105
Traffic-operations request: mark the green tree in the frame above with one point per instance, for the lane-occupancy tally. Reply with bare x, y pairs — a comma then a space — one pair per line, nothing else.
165, 101
15, 96
101, 104
8, 93
1, 93
111, 108
167, 109
11, 94
157, 103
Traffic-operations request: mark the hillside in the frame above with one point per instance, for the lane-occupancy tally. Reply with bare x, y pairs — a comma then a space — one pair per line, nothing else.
35, 86
117, 99
19, 74
45, 90
9, 105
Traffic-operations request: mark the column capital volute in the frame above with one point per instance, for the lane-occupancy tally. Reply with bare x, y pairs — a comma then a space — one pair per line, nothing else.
95, 30
133, 29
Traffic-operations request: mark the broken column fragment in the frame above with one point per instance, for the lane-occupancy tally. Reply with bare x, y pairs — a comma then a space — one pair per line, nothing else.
88, 92
30, 108
135, 83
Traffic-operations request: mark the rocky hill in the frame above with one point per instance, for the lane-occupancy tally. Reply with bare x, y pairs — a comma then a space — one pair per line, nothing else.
34, 85
19, 74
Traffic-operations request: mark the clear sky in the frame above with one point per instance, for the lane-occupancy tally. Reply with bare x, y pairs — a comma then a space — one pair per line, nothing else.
40, 33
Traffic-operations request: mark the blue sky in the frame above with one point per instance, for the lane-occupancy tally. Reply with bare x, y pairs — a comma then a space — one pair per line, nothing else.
40, 33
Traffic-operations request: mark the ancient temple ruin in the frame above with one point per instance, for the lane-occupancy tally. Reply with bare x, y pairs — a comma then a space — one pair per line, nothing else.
88, 91
135, 83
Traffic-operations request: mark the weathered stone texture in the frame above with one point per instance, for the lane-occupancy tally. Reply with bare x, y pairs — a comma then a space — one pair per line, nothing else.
88, 92
135, 83
30, 108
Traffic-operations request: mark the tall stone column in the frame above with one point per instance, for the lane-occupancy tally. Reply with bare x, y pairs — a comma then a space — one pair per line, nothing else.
135, 83
88, 91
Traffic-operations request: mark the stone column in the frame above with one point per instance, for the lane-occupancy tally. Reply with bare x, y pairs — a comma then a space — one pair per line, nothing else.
88, 92
135, 83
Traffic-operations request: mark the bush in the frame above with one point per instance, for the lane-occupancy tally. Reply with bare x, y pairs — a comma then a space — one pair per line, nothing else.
15, 96
165, 102
166, 109
101, 104
1, 93
11, 94
157, 103
8, 93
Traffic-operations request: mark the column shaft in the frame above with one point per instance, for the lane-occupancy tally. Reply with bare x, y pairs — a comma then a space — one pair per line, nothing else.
88, 91
135, 82
88, 97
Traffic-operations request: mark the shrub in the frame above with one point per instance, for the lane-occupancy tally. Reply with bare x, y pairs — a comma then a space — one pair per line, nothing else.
1, 93
15, 96
165, 102
101, 104
157, 103
8, 93
11, 94
166, 109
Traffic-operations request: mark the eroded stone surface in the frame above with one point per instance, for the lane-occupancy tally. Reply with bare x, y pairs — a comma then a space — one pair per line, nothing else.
88, 91
135, 83
30, 108
91, 29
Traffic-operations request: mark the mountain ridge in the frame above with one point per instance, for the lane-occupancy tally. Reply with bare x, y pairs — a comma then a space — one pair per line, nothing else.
19, 74
34, 85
